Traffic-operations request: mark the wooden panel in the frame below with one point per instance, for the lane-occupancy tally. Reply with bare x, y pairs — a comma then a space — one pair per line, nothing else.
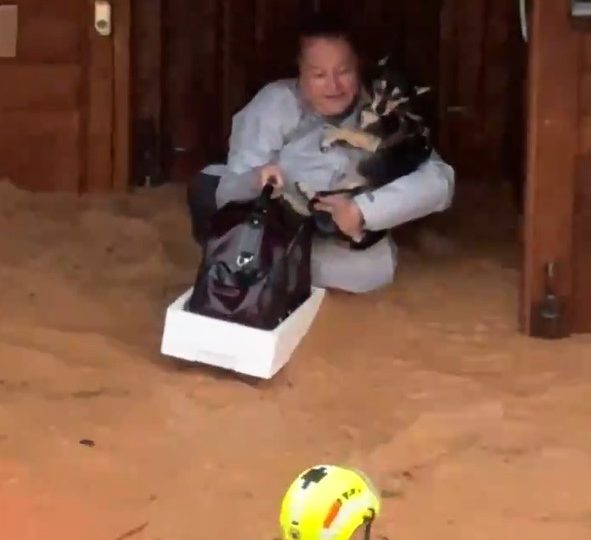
420, 42
41, 149
146, 92
32, 86
581, 304
468, 31
63, 64
99, 111
210, 132
496, 94
121, 95
239, 61
448, 66
189, 25
40, 89
582, 199
481, 87
552, 145
147, 65
8, 30
276, 45
217, 54
51, 31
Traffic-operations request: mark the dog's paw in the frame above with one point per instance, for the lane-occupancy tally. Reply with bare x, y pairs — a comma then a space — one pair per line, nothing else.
305, 191
329, 138
297, 204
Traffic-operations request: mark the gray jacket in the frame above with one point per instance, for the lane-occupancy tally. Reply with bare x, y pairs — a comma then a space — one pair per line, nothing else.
276, 126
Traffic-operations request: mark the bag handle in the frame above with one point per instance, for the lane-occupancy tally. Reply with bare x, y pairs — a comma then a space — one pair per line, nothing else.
262, 202
268, 191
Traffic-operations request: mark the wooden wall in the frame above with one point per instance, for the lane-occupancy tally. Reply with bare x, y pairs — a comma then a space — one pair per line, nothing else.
209, 57
483, 66
40, 92
217, 53
64, 98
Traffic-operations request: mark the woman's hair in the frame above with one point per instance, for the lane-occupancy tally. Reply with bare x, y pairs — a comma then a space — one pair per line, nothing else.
325, 24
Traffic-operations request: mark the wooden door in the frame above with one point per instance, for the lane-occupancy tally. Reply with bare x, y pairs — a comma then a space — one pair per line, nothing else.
64, 97
482, 67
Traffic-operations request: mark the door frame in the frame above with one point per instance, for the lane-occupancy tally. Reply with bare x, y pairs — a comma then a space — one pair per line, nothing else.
552, 145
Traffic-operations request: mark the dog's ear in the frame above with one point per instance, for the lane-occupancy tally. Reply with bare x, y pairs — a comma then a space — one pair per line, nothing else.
422, 90
383, 61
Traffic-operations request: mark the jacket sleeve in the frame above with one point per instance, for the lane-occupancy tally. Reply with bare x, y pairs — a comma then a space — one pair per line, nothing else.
429, 189
257, 136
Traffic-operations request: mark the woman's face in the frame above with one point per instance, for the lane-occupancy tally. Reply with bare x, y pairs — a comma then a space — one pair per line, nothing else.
328, 75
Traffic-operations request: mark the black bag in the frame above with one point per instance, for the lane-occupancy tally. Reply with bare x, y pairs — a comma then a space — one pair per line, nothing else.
256, 263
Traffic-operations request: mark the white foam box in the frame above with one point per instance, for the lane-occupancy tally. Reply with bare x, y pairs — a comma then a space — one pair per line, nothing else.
250, 351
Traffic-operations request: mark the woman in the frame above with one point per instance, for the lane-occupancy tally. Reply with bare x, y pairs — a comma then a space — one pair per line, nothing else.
277, 135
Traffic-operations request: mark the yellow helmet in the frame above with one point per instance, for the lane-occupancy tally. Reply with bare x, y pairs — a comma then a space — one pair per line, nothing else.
327, 502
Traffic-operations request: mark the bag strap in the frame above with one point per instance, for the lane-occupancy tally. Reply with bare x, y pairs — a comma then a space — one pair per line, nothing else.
263, 200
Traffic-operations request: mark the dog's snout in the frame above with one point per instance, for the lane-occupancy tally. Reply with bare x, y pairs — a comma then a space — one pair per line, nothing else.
381, 107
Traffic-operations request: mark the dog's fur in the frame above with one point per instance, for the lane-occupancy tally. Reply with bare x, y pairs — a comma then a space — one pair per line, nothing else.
394, 141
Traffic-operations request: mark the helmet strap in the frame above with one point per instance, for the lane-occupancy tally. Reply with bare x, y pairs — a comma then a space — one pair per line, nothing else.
368, 524
367, 535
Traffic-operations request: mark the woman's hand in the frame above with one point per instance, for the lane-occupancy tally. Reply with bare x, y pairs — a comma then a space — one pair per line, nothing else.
345, 213
271, 174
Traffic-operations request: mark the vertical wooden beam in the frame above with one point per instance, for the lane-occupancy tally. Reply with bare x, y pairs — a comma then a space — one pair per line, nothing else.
420, 50
551, 147
447, 123
186, 23
582, 209
121, 102
226, 61
514, 131
211, 142
99, 148
146, 91
239, 57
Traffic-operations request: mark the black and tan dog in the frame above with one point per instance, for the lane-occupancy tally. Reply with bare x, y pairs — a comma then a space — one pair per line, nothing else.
394, 141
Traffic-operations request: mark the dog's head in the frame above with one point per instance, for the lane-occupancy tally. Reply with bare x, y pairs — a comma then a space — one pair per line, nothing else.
390, 93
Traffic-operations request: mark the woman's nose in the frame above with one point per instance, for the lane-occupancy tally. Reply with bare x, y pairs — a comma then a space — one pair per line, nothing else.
334, 84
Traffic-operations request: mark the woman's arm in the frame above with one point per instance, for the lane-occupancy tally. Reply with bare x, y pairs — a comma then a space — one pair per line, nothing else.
257, 136
429, 189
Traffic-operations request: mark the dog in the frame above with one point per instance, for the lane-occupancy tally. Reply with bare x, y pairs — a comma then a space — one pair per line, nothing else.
394, 141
